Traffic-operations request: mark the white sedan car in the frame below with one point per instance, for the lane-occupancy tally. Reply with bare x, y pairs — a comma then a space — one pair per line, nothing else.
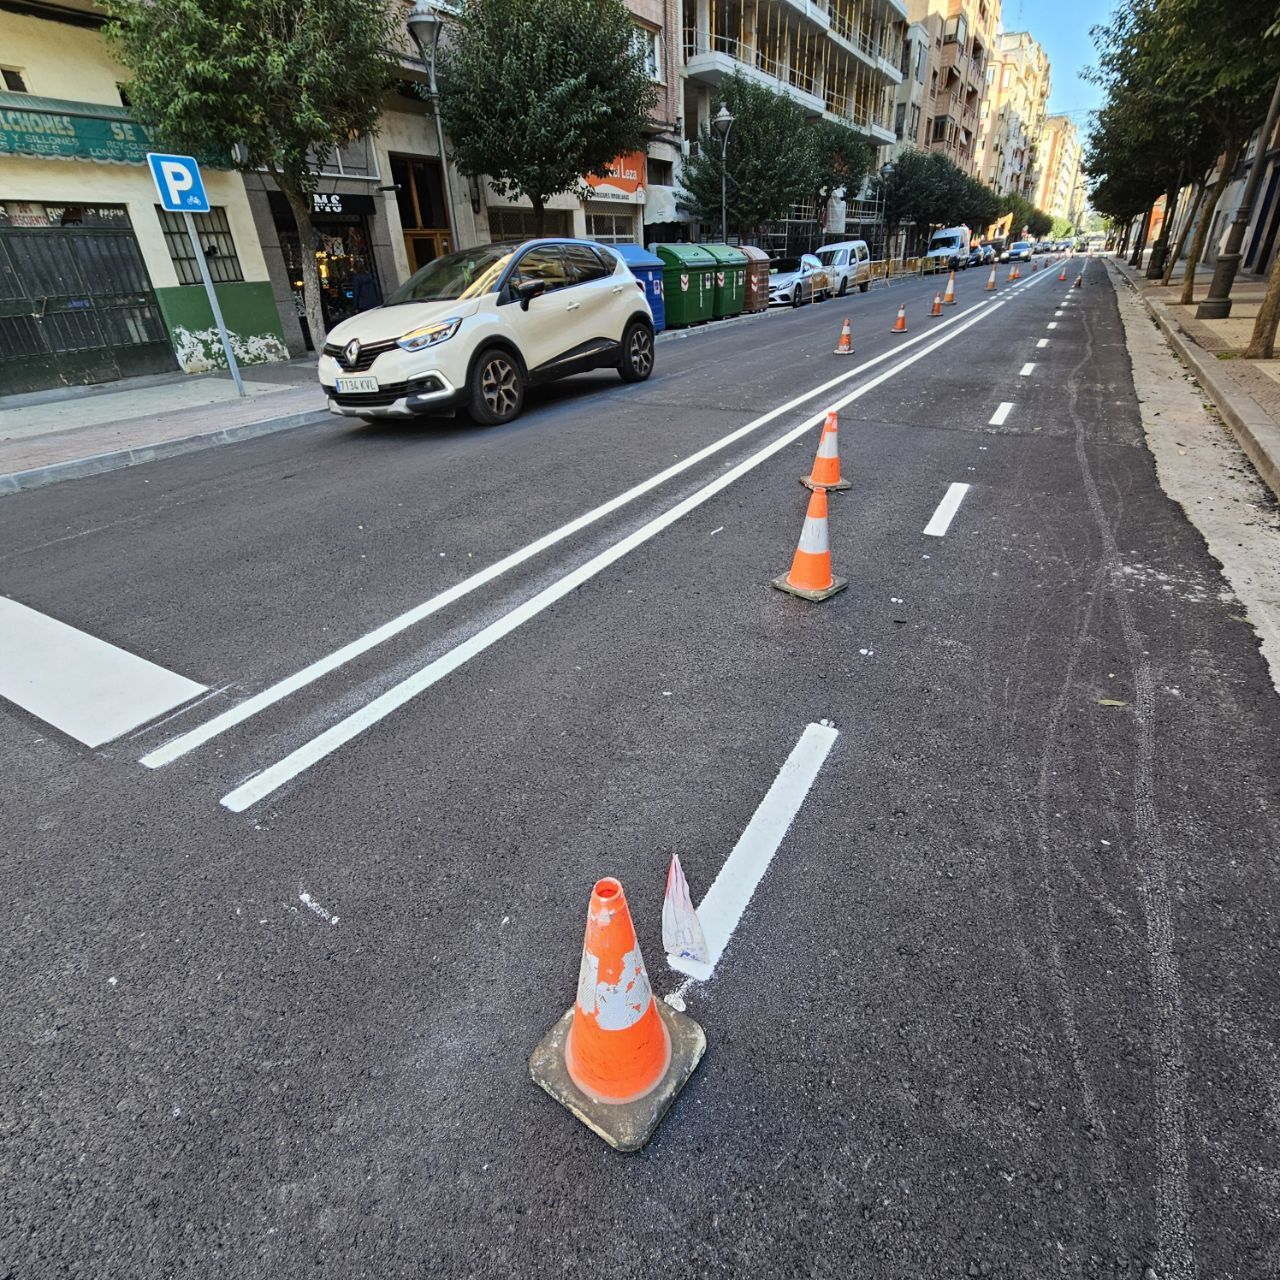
474, 329
795, 281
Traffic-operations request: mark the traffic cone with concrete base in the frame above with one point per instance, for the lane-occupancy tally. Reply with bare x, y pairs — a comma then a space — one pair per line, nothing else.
845, 346
1014, 273
811, 577
900, 324
991, 280
949, 296
826, 466
618, 1057
1062, 275
936, 309
1079, 280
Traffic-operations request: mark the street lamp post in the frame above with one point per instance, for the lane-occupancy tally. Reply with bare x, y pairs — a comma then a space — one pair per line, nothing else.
886, 172
1217, 306
425, 23
722, 123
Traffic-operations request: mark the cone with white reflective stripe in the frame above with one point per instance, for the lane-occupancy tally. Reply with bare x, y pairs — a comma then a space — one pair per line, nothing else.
618, 1058
936, 309
991, 279
949, 296
845, 346
810, 577
826, 465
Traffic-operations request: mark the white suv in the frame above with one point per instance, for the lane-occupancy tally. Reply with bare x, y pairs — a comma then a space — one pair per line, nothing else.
473, 329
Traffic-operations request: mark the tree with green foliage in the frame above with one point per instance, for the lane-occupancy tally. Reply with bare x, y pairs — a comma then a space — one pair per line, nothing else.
835, 157
276, 84
926, 189
540, 96
768, 167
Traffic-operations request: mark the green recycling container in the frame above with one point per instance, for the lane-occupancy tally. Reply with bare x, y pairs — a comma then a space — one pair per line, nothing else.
688, 282
730, 280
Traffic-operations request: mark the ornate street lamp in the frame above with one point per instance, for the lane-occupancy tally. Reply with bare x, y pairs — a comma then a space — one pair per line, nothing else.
425, 22
722, 122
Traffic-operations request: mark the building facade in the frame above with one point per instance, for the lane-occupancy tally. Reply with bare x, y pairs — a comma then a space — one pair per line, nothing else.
96, 282
1013, 114
955, 42
1060, 187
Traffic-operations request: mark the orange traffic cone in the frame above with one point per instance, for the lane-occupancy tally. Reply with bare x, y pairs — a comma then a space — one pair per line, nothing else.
1014, 273
826, 466
991, 279
936, 309
949, 297
845, 346
618, 1058
1062, 275
1035, 266
811, 577
900, 324
1079, 278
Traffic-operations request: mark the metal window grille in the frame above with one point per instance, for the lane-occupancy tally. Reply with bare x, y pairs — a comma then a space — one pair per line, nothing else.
611, 228
518, 224
214, 234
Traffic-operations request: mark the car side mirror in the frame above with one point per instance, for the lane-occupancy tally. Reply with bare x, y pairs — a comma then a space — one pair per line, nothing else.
527, 290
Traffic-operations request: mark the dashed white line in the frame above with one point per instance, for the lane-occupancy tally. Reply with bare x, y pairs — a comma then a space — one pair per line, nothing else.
1025, 371
1001, 413
1044, 342
947, 508
1053, 324
724, 903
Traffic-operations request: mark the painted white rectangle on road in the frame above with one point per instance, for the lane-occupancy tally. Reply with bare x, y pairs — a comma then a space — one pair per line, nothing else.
947, 508
1025, 370
1044, 342
1053, 324
1001, 413
87, 688
730, 893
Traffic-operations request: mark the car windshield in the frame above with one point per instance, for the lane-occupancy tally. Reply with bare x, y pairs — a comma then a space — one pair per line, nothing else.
467, 274
1019, 245
944, 242
784, 264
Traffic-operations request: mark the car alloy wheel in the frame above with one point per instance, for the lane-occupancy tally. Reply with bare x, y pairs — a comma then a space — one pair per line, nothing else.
500, 386
640, 351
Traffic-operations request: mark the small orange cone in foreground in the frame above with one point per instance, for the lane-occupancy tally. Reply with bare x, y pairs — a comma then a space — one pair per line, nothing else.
1079, 278
949, 297
811, 577
1014, 273
991, 279
826, 466
618, 1058
900, 324
845, 346
1062, 275
936, 309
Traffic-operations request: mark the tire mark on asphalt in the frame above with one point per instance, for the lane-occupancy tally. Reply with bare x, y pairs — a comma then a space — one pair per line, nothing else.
1177, 1256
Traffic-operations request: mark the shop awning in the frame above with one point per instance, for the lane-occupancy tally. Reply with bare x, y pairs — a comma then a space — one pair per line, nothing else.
54, 128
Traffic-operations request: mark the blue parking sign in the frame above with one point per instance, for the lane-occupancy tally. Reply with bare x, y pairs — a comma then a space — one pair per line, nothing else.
179, 183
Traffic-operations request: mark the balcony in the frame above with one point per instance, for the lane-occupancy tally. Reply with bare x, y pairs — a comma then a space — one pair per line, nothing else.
709, 59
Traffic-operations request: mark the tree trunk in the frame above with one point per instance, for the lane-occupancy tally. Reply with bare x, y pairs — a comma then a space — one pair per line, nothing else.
1160, 250
1262, 345
1140, 241
539, 217
1187, 224
1206, 217
300, 206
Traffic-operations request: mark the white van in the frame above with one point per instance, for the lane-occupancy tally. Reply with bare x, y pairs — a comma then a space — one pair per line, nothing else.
951, 244
847, 263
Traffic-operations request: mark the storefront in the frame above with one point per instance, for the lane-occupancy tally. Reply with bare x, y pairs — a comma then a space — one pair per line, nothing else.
342, 242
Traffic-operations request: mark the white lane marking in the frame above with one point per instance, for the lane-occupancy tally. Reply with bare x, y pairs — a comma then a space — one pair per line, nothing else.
1058, 313
170, 751
947, 508
89, 689
1025, 370
316, 749
721, 908
1053, 324
312, 905
1044, 342
998, 418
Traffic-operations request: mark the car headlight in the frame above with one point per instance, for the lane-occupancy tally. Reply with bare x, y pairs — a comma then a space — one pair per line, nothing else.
429, 335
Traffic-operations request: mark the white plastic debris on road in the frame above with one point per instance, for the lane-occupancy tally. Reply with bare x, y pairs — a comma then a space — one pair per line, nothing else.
681, 932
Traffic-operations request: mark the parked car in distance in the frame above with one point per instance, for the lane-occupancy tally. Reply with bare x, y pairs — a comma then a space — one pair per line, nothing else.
1018, 251
848, 263
975, 258
475, 329
795, 281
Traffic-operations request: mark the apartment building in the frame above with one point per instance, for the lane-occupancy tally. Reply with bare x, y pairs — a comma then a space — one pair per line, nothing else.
944, 75
1013, 114
1060, 185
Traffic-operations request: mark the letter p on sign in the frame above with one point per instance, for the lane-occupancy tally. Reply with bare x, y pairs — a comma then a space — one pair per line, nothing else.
179, 184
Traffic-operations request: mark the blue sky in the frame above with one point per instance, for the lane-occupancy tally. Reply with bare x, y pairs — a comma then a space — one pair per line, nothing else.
1062, 28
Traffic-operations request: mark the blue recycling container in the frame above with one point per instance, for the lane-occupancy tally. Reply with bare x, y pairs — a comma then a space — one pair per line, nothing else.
647, 268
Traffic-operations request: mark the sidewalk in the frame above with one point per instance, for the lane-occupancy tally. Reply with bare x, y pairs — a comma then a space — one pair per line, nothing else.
69, 432
1245, 392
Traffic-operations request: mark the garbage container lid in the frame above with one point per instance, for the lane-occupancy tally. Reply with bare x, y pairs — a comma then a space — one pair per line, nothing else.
684, 255
753, 253
725, 253
635, 255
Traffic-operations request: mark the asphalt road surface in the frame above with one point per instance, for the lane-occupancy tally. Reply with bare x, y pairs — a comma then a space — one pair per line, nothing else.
1003, 1003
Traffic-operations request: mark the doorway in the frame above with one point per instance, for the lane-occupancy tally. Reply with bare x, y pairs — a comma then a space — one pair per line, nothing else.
420, 200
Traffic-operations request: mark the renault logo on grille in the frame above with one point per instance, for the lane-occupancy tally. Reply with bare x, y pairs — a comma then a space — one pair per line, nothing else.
351, 353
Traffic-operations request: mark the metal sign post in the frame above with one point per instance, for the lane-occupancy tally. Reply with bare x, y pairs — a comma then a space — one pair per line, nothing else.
181, 190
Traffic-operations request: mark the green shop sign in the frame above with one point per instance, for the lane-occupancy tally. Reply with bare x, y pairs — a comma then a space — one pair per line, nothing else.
32, 126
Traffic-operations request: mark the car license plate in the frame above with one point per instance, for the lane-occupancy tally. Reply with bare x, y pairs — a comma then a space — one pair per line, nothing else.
350, 386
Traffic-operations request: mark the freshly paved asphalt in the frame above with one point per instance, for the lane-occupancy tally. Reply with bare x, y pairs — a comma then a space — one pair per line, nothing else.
1003, 1005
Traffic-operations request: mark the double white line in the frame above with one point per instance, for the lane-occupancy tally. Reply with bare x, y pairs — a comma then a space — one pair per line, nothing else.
311, 752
